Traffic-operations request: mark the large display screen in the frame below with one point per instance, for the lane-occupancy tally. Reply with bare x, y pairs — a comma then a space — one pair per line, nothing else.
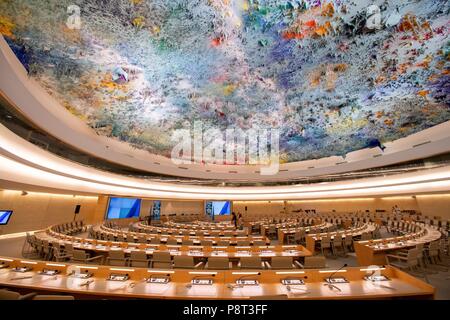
4, 216
218, 208
120, 208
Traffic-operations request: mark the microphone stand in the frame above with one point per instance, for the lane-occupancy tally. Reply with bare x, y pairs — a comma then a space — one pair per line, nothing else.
329, 284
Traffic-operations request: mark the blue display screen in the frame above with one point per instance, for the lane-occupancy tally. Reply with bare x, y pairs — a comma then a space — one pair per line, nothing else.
120, 208
218, 208
4, 216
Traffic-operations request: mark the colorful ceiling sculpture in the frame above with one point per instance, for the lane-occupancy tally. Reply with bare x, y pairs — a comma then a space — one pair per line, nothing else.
332, 76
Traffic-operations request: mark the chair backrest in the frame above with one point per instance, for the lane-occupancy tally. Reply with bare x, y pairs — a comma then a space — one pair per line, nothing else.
250, 262
205, 242
183, 262
79, 255
138, 255
299, 235
282, 263
117, 254
162, 256
242, 243
412, 257
315, 262
259, 243
220, 263
68, 247
9, 295
155, 240
142, 239
187, 242
172, 241
223, 243
348, 239
325, 241
138, 259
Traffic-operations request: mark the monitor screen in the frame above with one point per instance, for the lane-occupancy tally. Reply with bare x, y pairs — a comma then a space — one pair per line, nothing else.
4, 216
218, 208
119, 208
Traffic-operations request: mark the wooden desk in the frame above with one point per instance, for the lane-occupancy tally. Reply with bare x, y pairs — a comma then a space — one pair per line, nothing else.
373, 252
354, 232
179, 237
283, 232
400, 284
101, 247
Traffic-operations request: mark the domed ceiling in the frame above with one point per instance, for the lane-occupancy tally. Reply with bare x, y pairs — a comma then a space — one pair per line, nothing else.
332, 76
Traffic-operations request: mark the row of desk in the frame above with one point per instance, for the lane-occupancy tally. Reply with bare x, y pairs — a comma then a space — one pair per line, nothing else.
313, 239
232, 252
180, 228
162, 238
283, 232
374, 251
94, 282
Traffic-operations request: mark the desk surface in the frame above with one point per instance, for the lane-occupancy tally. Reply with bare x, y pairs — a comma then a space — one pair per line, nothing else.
399, 285
232, 252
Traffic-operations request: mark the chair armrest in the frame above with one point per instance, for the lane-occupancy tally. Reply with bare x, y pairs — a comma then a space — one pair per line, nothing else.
298, 264
263, 266
395, 257
94, 258
268, 266
28, 296
198, 265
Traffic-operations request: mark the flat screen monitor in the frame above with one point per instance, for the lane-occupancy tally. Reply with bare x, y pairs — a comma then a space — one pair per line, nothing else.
4, 216
218, 208
121, 208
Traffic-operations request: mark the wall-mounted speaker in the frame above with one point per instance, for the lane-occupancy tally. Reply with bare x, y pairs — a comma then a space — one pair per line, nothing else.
77, 208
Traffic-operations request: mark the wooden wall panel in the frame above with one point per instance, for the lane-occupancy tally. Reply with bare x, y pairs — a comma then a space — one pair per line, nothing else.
39, 210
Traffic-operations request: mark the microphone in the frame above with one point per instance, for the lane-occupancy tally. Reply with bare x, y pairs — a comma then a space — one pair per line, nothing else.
331, 275
189, 285
329, 284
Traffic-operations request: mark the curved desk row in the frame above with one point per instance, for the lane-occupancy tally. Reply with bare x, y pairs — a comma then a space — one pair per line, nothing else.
232, 252
95, 282
284, 232
143, 228
199, 225
374, 251
312, 239
163, 238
